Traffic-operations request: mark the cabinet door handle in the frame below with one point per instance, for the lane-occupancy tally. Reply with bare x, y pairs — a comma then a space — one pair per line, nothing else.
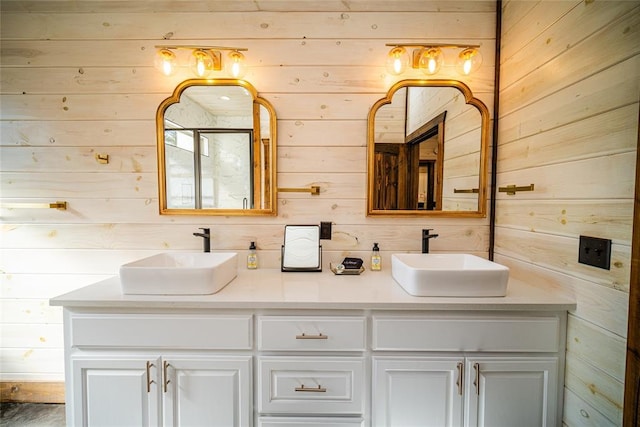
460, 377
304, 336
165, 368
149, 380
319, 389
476, 380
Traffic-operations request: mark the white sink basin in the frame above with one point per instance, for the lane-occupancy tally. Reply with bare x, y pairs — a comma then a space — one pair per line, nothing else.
179, 273
449, 275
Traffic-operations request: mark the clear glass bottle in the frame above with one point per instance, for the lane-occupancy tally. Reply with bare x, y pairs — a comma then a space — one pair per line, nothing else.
376, 260
252, 258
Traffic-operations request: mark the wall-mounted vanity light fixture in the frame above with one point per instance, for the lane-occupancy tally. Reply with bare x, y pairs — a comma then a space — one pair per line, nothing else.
202, 60
430, 57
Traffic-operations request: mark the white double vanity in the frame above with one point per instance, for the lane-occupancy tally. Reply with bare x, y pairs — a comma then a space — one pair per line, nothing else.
313, 349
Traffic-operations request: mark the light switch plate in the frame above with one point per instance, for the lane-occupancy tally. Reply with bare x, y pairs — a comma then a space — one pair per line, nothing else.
325, 230
595, 251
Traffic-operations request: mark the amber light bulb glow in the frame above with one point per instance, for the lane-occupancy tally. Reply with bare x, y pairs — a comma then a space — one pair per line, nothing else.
397, 60
236, 66
165, 62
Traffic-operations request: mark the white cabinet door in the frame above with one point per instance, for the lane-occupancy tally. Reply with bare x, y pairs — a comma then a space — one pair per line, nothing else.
507, 392
417, 392
207, 391
113, 391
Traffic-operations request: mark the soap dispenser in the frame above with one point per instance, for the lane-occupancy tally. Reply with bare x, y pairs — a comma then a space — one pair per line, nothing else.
376, 260
252, 258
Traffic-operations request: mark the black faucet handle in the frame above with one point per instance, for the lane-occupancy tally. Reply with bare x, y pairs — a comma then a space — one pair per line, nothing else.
205, 230
426, 235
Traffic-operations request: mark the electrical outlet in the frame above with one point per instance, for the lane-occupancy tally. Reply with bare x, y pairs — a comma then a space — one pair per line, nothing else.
325, 230
595, 251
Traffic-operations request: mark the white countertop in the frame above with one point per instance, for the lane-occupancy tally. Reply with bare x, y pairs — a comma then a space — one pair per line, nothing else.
273, 289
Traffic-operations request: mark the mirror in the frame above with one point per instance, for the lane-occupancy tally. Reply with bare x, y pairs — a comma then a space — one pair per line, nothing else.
216, 150
427, 151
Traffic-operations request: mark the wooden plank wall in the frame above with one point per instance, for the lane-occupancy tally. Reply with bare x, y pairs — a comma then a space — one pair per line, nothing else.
77, 79
568, 122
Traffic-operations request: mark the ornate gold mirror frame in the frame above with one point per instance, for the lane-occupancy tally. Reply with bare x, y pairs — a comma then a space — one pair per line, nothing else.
258, 146
463, 197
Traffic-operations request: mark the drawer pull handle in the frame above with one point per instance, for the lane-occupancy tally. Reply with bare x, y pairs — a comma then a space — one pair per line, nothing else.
320, 389
476, 380
149, 380
304, 336
460, 376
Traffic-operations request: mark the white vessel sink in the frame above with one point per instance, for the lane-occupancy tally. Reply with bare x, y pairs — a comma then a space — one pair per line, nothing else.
449, 275
179, 273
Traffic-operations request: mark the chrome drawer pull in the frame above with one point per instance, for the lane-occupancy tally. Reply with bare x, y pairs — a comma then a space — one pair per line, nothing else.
312, 337
320, 389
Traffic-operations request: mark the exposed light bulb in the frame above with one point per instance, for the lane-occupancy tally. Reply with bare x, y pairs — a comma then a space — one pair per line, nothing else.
469, 61
165, 62
202, 63
397, 60
236, 66
431, 60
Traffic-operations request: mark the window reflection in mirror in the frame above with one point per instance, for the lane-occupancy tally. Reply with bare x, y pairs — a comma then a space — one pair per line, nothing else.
216, 150
427, 150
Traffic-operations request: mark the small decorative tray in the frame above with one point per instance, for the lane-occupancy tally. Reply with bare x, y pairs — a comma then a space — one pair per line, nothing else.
339, 270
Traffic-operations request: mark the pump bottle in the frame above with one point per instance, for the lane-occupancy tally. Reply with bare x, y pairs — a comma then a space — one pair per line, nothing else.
376, 260
252, 258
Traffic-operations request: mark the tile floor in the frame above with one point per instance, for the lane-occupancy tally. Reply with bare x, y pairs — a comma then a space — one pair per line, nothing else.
31, 415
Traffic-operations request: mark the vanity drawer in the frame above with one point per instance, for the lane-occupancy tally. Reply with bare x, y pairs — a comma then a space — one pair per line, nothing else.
311, 385
180, 331
320, 333
468, 333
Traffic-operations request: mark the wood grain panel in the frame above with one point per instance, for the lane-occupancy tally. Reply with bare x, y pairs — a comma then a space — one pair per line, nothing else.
32, 391
601, 177
128, 237
74, 159
80, 107
594, 387
561, 254
266, 79
87, 133
579, 413
28, 364
238, 25
311, 160
246, 6
20, 335
30, 311
301, 133
567, 217
57, 185
522, 21
612, 88
605, 134
26, 286
599, 346
87, 55
343, 185
567, 46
